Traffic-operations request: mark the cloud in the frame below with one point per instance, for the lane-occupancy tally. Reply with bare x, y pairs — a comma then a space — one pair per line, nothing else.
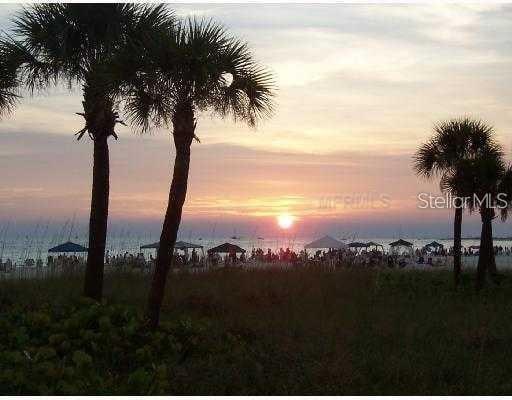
359, 87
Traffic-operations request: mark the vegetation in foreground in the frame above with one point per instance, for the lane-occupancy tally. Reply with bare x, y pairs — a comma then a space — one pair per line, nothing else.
266, 332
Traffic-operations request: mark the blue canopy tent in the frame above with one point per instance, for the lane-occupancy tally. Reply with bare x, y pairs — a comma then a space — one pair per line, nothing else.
68, 247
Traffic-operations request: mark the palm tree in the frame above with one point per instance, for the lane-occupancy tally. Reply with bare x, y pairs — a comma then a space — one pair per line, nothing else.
445, 155
76, 44
210, 71
490, 179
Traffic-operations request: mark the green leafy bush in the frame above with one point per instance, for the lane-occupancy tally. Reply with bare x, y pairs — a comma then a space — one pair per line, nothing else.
91, 348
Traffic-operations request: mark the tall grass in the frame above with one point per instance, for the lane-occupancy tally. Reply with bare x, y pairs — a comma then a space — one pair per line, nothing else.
323, 332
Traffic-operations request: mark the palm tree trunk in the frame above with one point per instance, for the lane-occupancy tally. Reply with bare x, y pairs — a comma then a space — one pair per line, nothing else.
486, 259
457, 244
93, 286
183, 123
493, 272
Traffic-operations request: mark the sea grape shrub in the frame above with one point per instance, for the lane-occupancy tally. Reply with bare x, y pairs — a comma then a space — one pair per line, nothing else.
92, 348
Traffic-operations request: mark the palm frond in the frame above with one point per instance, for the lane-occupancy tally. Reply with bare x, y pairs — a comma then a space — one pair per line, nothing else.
505, 191
9, 82
190, 64
427, 159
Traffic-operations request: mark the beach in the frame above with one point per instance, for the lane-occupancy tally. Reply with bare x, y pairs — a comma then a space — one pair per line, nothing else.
21, 247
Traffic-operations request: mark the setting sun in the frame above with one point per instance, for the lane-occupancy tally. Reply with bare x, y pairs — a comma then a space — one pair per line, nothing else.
285, 221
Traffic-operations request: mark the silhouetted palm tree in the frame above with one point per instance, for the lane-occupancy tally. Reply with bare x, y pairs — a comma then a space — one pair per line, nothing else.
76, 44
445, 155
209, 71
490, 179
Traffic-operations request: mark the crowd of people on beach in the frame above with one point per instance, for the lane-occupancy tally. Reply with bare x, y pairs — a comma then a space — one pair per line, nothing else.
64, 260
127, 259
500, 250
292, 258
258, 256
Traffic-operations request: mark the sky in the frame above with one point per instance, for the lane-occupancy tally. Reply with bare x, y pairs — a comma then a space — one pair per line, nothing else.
359, 89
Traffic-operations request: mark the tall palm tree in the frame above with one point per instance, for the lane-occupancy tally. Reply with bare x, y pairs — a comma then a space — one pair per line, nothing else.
210, 71
445, 155
75, 44
490, 179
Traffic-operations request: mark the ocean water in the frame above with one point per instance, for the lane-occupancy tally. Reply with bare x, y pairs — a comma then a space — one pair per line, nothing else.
22, 247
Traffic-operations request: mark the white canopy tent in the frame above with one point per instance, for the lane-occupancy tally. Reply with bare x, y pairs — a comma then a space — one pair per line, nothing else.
326, 242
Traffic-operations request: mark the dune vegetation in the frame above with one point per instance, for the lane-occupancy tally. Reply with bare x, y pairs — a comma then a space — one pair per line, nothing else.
304, 331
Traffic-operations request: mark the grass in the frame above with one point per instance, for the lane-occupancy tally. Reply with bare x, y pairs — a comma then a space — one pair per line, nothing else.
262, 332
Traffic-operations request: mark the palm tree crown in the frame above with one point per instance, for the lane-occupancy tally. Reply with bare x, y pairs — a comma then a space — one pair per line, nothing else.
489, 178
76, 44
199, 64
455, 142
72, 42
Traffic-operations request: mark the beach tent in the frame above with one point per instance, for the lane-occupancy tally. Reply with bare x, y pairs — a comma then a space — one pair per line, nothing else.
179, 245
400, 242
375, 245
326, 242
358, 246
226, 248
68, 247
401, 246
186, 245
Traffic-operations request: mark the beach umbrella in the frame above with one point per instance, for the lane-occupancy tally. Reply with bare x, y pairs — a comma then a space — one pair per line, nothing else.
226, 248
68, 247
326, 242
